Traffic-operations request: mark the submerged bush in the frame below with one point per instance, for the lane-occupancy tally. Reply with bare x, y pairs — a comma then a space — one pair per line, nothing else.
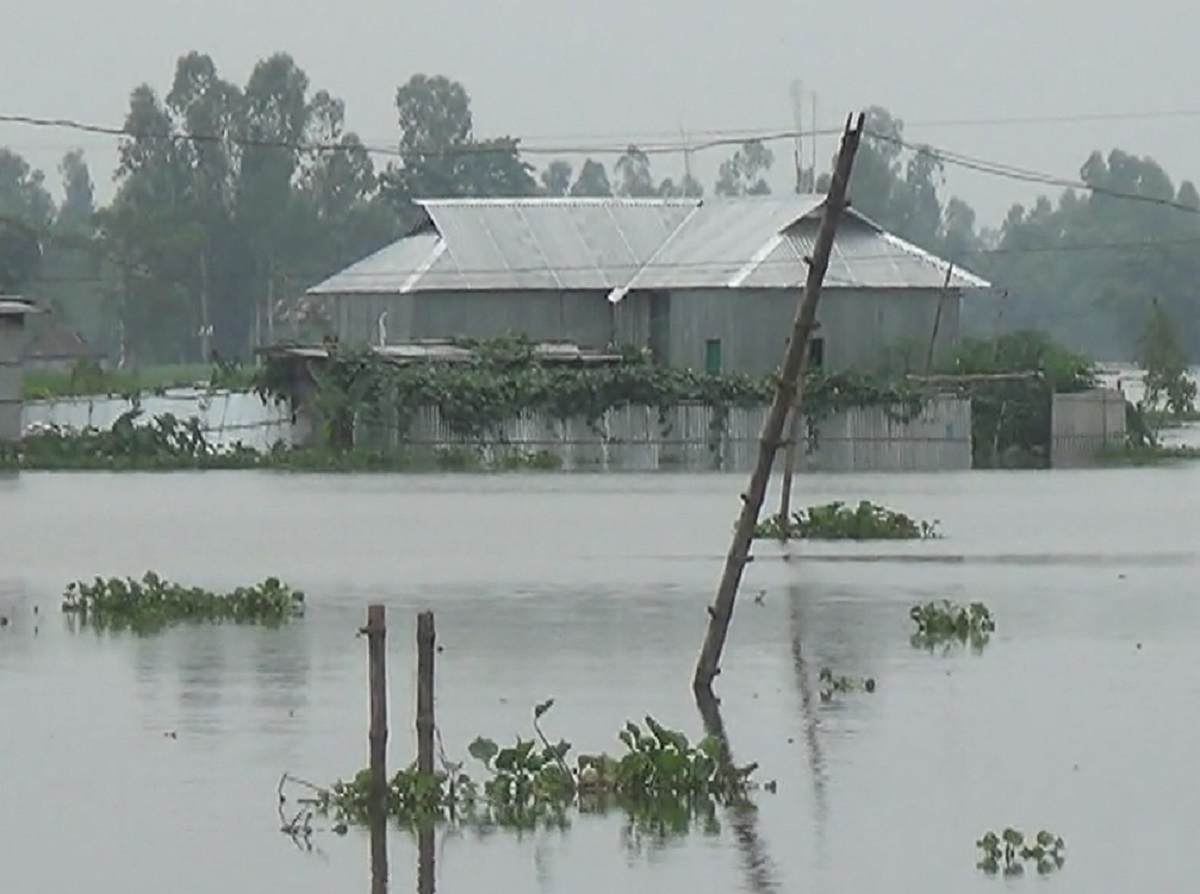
662, 781
153, 603
833, 683
948, 624
1008, 851
837, 521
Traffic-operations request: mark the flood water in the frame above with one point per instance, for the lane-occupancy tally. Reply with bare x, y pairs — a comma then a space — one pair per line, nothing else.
1080, 716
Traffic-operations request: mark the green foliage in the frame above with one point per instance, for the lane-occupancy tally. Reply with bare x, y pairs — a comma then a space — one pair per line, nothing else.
1010, 417
945, 624
837, 521
165, 443
355, 386
1169, 390
152, 603
662, 781
832, 684
1008, 851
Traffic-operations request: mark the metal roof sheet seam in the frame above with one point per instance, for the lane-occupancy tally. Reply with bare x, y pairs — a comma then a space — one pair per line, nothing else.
617, 245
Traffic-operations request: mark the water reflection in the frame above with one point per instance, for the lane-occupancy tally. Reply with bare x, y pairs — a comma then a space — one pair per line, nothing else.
808, 713
760, 873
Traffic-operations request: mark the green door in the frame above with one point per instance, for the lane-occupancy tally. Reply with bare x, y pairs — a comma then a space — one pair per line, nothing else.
712, 356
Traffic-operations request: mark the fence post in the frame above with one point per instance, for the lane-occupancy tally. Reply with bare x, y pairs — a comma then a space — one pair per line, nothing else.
376, 631
426, 641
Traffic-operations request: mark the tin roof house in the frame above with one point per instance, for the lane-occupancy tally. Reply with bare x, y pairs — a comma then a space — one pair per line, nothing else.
701, 283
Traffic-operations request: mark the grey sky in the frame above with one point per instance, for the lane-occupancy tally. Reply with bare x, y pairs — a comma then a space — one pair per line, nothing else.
585, 72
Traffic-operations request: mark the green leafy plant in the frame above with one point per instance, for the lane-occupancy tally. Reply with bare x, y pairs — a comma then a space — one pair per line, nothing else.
1009, 851
947, 624
837, 521
152, 603
355, 389
662, 781
832, 684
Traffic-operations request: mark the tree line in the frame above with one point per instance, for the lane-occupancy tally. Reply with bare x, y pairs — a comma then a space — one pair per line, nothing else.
231, 199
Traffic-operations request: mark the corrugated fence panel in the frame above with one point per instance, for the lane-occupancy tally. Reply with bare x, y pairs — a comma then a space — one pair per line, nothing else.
227, 417
1084, 424
693, 437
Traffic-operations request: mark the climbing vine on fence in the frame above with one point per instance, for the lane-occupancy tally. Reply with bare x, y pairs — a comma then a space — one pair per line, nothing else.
505, 379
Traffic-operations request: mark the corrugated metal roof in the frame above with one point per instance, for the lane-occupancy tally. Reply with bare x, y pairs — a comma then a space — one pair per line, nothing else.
445, 352
719, 244
518, 245
618, 245
864, 256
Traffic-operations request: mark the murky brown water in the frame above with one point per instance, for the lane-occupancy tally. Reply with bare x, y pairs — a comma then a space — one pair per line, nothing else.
591, 590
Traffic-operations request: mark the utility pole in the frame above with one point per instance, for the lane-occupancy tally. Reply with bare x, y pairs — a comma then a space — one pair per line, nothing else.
721, 612
798, 141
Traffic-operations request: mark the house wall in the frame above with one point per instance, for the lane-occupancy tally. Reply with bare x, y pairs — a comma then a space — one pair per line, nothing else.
584, 318
753, 325
1084, 424
12, 347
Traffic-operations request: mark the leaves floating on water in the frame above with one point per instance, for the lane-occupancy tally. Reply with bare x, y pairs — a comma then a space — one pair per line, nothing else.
837, 521
153, 603
663, 782
1008, 852
946, 624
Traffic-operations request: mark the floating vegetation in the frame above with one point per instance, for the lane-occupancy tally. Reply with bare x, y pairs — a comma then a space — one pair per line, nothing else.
663, 782
947, 624
153, 603
832, 684
1009, 851
838, 521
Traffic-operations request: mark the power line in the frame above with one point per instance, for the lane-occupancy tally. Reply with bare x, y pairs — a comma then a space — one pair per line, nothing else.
979, 165
701, 267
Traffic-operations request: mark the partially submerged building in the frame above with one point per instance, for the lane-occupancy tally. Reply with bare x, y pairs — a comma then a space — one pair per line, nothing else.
701, 283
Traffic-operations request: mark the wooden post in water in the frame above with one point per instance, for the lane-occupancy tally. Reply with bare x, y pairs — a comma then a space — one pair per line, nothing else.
376, 631
721, 612
789, 450
426, 640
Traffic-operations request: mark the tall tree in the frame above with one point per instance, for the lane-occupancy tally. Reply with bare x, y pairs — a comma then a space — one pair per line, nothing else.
26, 211
556, 179
743, 173
633, 174
592, 181
440, 154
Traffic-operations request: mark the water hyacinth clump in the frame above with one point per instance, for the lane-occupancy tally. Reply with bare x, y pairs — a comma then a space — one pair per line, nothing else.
835, 683
1008, 852
153, 603
948, 624
837, 521
663, 782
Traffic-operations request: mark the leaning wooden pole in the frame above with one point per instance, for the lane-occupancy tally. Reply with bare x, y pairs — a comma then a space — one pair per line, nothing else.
789, 450
721, 612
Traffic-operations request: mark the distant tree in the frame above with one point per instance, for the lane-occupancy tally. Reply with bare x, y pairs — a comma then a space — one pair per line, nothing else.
592, 181
556, 179
1167, 383
26, 212
742, 174
440, 154
687, 187
633, 174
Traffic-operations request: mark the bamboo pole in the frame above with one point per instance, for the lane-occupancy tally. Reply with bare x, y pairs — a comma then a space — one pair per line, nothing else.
376, 631
721, 612
426, 639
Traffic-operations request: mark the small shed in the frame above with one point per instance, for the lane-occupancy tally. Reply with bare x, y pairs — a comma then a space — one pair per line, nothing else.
13, 311
700, 283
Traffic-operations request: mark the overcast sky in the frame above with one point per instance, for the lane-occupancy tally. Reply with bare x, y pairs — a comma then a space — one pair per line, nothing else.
586, 72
